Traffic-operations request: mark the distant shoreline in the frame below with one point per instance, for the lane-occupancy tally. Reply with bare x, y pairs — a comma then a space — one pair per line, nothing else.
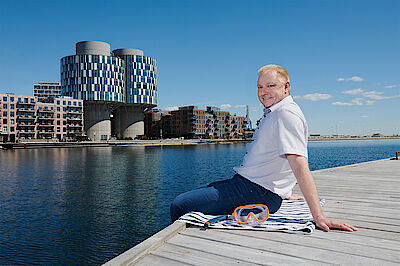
352, 138
143, 143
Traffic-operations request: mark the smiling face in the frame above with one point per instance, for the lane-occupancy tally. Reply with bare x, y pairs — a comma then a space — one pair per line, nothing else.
271, 88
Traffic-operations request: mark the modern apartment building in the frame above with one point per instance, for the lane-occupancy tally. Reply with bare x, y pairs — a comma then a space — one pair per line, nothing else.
23, 117
192, 122
47, 91
116, 88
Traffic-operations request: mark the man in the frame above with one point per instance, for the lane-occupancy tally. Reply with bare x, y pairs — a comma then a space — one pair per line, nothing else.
275, 160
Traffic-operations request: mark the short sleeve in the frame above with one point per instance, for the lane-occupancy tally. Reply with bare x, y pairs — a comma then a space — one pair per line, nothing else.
292, 134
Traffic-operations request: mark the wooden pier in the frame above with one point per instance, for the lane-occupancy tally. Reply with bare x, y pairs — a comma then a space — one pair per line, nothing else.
364, 195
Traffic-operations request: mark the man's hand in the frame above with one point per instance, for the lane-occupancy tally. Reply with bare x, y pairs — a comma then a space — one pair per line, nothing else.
326, 223
295, 197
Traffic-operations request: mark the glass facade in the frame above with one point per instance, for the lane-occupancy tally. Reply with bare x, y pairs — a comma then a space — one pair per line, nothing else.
141, 79
125, 78
93, 77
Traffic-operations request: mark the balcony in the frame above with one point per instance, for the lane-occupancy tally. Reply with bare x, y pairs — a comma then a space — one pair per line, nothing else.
23, 117
74, 118
26, 109
45, 118
74, 126
45, 125
25, 103
46, 132
45, 111
28, 132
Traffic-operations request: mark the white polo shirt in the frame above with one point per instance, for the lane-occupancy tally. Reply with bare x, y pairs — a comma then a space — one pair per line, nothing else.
283, 130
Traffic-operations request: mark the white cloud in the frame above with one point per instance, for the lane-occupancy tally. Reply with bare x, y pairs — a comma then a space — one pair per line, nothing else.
377, 95
390, 86
171, 108
225, 106
314, 97
354, 91
368, 102
356, 79
353, 78
356, 101
240, 105
364, 116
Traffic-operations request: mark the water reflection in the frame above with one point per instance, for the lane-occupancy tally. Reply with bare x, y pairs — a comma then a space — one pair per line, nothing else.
87, 205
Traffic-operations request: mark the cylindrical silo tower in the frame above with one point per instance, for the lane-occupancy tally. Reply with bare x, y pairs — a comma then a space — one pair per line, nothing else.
116, 88
140, 91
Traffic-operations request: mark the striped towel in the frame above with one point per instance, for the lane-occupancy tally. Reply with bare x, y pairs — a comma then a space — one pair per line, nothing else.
293, 216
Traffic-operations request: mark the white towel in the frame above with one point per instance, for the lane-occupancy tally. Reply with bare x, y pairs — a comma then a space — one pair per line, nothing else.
293, 216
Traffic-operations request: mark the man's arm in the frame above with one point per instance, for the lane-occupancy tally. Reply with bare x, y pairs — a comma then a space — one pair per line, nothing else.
301, 170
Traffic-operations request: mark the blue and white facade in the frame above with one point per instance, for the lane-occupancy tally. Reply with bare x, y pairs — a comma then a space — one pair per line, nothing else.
93, 77
116, 88
140, 76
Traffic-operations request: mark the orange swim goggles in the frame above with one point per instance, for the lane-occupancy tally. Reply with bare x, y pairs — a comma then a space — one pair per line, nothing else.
249, 213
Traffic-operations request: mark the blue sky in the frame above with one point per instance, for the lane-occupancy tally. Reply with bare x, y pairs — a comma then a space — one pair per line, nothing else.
343, 57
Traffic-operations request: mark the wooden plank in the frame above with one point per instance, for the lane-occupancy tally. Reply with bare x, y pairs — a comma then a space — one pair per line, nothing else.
155, 260
196, 257
325, 243
283, 248
142, 249
236, 251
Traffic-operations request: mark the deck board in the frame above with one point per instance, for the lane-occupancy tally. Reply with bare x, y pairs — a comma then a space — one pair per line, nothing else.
365, 195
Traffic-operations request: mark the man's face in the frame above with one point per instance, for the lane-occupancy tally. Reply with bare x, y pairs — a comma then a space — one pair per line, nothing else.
271, 90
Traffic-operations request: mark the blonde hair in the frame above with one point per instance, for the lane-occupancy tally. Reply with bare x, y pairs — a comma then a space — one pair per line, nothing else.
282, 73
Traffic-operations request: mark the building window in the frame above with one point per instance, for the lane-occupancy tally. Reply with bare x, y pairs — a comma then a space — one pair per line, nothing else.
4, 121
58, 109
58, 103
4, 129
11, 129
58, 122
4, 98
58, 115
4, 113
11, 99
4, 105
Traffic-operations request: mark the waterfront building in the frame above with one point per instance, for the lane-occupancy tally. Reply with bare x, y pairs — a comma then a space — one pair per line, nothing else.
116, 88
47, 91
24, 117
192, 122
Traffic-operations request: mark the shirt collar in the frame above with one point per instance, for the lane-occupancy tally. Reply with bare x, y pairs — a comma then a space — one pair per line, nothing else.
276, 106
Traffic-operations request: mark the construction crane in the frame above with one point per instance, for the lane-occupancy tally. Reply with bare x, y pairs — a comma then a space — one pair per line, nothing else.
247, 120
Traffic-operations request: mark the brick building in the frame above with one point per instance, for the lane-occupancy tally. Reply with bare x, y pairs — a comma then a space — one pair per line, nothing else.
192, 122
23, 117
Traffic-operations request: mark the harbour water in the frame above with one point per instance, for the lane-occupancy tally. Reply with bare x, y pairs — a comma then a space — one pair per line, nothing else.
87, 205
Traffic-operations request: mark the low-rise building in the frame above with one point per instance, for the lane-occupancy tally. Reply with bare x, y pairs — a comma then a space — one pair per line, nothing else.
192, 122
23, 117
47, 91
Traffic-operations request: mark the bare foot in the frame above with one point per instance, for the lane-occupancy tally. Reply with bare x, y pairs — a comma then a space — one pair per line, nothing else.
295, 197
